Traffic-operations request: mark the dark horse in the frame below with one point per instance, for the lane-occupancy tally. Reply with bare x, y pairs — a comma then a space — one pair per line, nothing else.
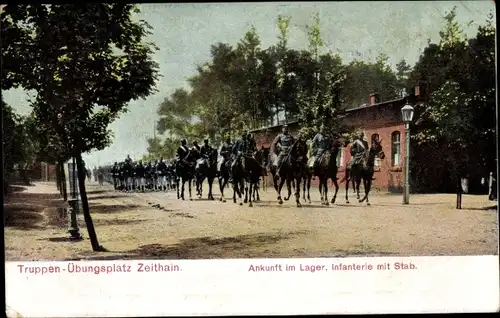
364, 170
292, 169
185, 171
262, 157
206, 168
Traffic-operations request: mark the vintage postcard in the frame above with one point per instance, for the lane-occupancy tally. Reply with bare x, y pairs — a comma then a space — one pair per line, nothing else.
272, 158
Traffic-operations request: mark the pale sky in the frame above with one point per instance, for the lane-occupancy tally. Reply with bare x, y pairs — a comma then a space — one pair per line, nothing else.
184, 33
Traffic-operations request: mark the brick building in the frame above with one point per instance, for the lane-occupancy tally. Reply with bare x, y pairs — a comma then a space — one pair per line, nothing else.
382, 119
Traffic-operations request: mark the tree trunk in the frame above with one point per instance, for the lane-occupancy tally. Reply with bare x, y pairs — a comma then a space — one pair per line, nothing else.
85, 205
63, 183
58, 177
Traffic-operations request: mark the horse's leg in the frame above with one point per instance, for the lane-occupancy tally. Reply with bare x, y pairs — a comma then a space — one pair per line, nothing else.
276, 182
280, 186
209, 181
336, 184
289, 182
257, 192
309, 178
347, 180
320, 187
241, 186
355, 185
199, 184
250, 192
247, 194
235, 185
304, 186
178, 191
326, 191
367, 185
297, 191
221, 188
183, 188
359, 179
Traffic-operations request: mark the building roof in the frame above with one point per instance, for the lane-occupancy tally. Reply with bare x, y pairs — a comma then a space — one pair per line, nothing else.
401, 99
376, 105
274, 126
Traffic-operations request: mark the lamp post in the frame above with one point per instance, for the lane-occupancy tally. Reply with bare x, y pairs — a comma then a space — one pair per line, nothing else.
73, 229
407, 114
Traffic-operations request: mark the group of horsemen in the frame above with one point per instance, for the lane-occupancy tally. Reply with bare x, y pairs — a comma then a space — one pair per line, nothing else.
160, 175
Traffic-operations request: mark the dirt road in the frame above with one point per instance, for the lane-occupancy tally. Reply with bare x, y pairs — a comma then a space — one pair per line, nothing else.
157, 225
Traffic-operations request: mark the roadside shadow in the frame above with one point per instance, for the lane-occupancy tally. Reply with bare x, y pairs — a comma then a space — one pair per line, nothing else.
17, 188
23, 210
112, 208
104, 197
205, 248
486, 208
97, 191
104, 222
23, 216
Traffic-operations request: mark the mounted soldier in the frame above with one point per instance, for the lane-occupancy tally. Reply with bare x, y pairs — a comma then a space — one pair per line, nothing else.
251, 146
239, 148
205, 150
224, 153
320, 143
285, 142
196, 147
358, 149
128, 160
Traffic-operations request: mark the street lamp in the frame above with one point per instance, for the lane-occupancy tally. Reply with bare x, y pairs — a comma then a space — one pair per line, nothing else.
407, 114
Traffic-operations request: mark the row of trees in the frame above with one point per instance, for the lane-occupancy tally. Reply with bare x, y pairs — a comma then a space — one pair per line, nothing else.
246, 86
84, 63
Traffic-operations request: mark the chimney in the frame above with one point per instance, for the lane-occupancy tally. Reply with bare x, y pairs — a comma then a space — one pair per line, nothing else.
374, 98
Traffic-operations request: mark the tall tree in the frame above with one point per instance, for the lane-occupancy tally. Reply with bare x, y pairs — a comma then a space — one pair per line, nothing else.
364, 78
86, 62
324, 106
247, 60
176, 114
18, 145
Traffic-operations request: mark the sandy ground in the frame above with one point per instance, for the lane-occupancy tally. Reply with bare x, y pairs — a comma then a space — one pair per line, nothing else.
157, 225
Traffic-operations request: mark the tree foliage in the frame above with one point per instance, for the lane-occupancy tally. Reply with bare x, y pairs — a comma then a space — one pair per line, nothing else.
19, 150
458, 120
85, 63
